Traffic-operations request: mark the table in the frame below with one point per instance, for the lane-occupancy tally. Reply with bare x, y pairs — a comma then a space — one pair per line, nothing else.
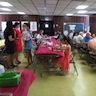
46, 51
46, 55
27, 78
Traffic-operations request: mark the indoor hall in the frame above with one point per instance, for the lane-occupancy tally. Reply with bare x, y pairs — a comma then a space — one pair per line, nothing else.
47, 47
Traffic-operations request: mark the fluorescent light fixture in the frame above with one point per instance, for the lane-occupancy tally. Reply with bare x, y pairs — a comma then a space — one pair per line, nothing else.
4, 13
69, 14
5, 4
20, 12
82, 11
5, 9
82, 7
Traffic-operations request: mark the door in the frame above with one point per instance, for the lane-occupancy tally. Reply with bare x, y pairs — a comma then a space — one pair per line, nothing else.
47, 26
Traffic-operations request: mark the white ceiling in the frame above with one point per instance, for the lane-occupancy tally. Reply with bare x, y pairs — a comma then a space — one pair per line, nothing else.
48, 7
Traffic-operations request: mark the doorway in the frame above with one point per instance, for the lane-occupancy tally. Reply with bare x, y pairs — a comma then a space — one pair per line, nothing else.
47, 26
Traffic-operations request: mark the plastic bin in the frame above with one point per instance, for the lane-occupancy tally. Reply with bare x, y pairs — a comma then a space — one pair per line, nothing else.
9, 79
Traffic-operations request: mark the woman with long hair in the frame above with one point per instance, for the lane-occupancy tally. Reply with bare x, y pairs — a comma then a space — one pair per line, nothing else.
9, 44
18, 41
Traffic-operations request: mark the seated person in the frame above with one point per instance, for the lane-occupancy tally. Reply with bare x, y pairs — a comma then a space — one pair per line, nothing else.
79, 37
70, 35
63, 63
92, 45
39, 36
74, 38
60, 36
65, 33
86, 39
55, 34
93, 35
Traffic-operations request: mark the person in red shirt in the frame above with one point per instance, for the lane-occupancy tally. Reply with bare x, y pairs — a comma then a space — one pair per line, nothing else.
18, 41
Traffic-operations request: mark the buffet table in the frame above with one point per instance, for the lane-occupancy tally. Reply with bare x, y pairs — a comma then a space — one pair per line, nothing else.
27, 78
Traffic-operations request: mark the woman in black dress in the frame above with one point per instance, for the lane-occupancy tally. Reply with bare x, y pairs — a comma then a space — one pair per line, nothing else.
9, 43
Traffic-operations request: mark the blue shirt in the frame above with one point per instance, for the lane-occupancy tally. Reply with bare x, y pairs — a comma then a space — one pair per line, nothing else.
85, 39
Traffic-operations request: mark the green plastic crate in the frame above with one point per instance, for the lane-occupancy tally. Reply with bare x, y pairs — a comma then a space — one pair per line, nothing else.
9, 79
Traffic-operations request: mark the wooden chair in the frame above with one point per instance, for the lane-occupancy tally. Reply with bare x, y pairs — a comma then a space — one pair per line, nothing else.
73, 54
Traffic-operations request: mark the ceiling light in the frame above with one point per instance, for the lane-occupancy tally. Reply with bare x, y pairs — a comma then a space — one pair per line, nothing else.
69, 14
20, 12
5, 9
82, 11
82, 7
4, 13
5, 4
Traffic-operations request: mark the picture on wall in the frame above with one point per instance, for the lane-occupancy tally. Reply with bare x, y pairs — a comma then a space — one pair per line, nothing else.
33, 25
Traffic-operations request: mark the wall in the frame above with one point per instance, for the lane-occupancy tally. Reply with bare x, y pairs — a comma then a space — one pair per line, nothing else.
58, 20
93, 24
18, 18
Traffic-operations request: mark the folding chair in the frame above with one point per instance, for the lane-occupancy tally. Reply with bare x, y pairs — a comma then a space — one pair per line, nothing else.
3, 56
73, 61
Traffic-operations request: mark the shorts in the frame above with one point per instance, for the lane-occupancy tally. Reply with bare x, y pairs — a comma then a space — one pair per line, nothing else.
27, 50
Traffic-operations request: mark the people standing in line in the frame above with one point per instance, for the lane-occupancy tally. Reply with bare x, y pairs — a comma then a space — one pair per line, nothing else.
9, 44
18, 41
27, 38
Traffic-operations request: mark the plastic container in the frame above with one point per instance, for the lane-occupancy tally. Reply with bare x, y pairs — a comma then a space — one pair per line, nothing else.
9, 79
2, 70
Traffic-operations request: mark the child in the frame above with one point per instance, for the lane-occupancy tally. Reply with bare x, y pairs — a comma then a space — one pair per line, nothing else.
64, 62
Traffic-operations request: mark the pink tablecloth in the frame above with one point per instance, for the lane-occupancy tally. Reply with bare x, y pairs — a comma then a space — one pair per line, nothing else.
27, 78
45, 50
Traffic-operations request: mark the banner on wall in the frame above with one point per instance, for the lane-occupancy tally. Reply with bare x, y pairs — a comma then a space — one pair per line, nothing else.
33, 26
76, 27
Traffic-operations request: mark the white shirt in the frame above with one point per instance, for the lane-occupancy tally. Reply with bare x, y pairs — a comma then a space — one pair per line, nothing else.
39, 37
65, 33
71, 35
26, 36
79, 38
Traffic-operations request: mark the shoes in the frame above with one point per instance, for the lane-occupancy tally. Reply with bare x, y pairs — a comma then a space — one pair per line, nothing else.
14, 65
17, 62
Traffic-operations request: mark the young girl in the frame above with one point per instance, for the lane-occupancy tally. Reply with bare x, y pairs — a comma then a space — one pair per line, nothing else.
27, 38
63, 63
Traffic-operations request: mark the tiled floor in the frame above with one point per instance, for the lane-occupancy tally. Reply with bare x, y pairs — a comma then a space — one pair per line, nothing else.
70, 85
